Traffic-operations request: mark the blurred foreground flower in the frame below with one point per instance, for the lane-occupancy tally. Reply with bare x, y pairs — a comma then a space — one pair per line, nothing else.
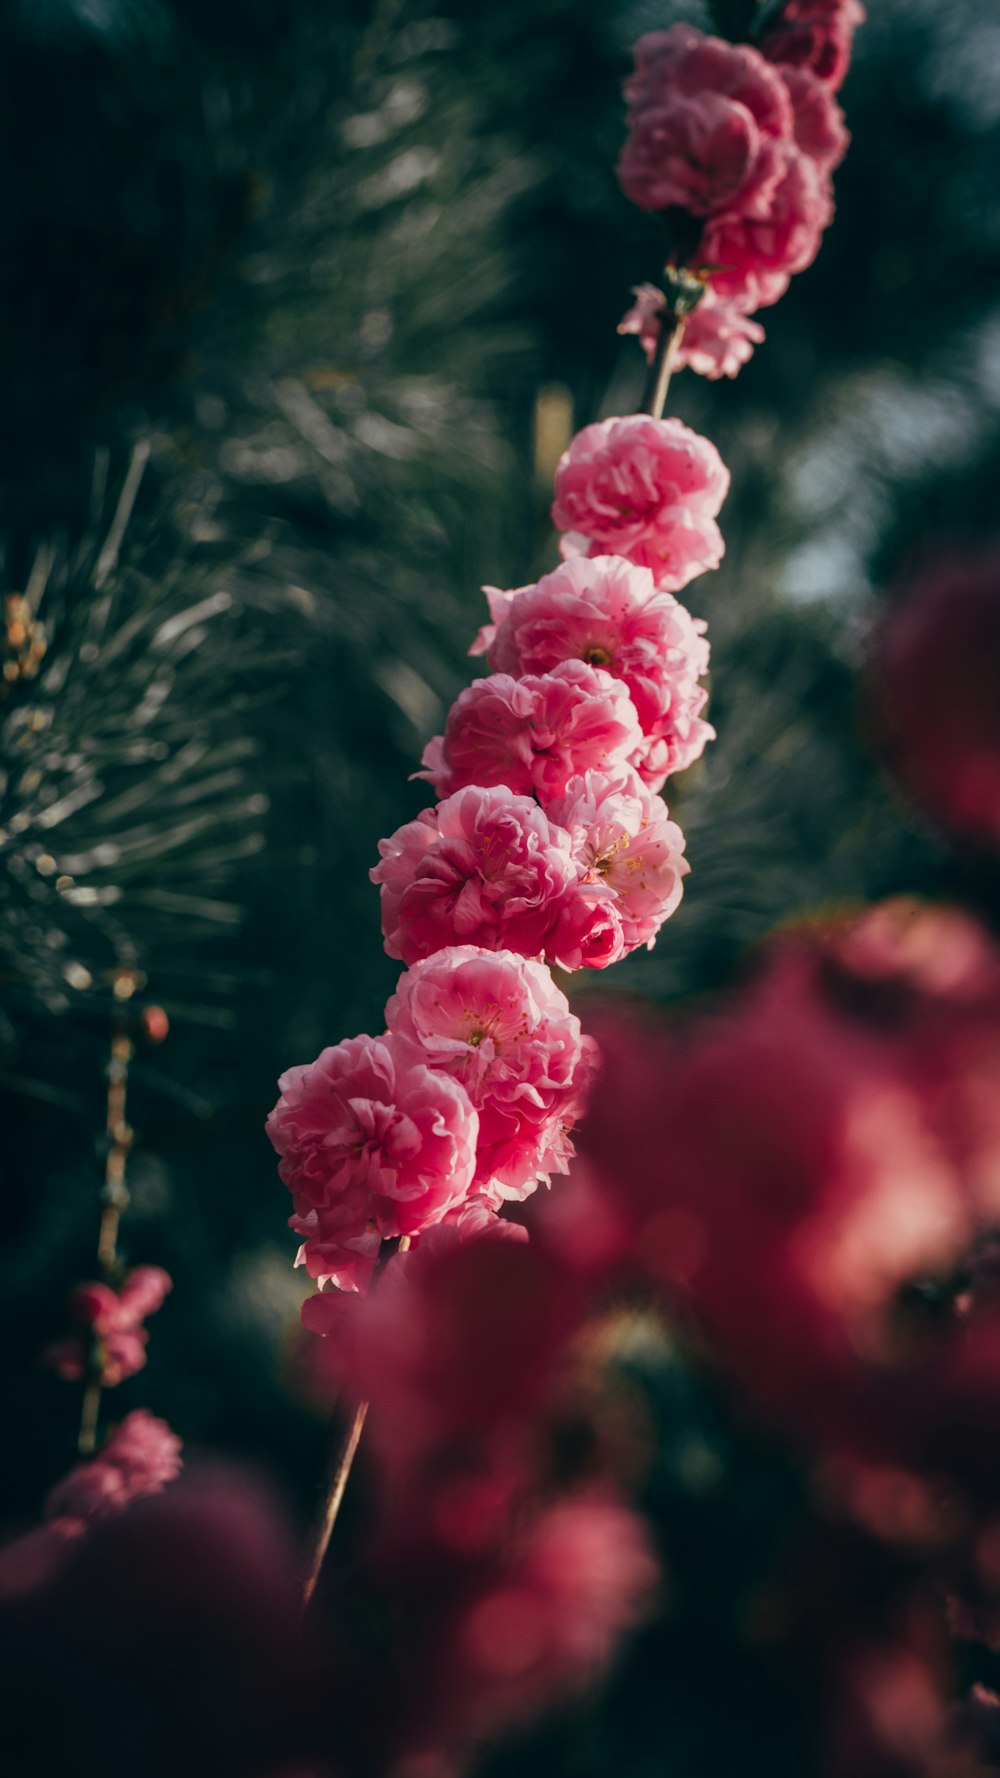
936, 693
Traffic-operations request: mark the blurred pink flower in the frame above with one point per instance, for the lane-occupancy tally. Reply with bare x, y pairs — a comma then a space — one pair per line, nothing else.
704, 116
140, 1458
751, 261
936, 692
609, 613
372, 1144
819, 128
113, 1319
802, 1158
584, 1575
498, 1023
623, 839
460, 1344
814, 34
532, 734
489, 868
646, 489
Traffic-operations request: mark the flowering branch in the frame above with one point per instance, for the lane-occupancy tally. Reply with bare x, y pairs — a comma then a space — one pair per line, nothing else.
114, 1196
549, 845
111, 1311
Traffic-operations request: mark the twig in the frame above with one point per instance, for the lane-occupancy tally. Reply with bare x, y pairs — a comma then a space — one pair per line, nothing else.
340, 1476
338, 1486
654, 398
114, 1195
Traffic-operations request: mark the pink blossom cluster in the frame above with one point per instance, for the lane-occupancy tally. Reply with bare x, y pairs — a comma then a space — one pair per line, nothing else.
548, 847
743, 139
113, 1341
140, 1458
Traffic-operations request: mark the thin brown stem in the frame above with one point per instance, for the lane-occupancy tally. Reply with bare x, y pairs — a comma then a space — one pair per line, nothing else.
660, 371
340, 1474
338, 1486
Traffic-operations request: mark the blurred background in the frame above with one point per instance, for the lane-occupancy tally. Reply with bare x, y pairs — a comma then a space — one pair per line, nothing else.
299, 304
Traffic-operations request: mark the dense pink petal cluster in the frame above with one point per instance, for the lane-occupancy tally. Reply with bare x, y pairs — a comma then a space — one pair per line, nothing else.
752, 259
646, 489
817, 120
606, 611
744, 140
373, 1144
816, 35
115, 1340
140, 1458
498, 1023
623, 839
532, 734
718, 338
488, 868
704, 117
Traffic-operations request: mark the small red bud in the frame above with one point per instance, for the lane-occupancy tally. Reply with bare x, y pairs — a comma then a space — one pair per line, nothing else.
155, 1024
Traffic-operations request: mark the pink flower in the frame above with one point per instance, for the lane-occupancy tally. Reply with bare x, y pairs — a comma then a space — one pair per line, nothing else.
117, 1338
533, 733
139, 1459
704, 116
646, 489
645, 318
608, 612
814, 34
718, 338
465, 1336
373, 1144
584, 1575
819, 126
489, 868
717, 341
751, 260
936, 697
622, 837
498, 1023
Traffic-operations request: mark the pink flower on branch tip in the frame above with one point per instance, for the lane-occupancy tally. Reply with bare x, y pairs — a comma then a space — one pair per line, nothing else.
373, 1144
704, 119
113, 1319
140, 1458
817, 35
533, 733
606, 611
489, 868
718, 338
498, 1023
645, 489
